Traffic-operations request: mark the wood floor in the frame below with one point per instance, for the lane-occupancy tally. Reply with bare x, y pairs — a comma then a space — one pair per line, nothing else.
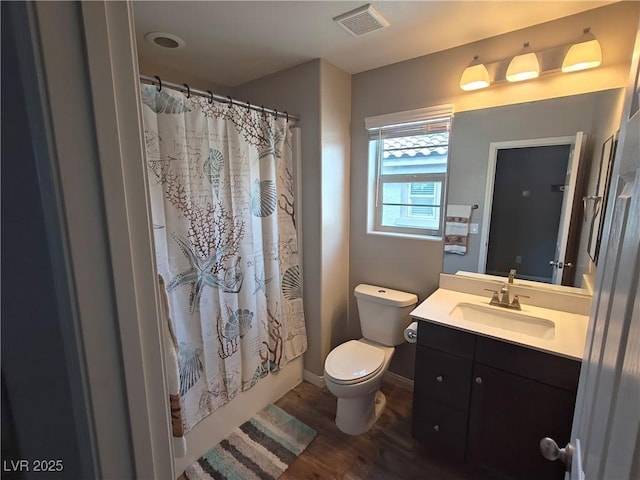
385, 452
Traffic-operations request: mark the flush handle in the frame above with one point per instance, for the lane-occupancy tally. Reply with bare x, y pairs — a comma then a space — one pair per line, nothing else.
440, 378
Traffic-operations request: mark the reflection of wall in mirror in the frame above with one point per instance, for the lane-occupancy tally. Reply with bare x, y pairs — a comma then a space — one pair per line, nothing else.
473, 131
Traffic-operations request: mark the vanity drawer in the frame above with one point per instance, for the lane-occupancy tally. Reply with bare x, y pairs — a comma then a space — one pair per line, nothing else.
443, 377
439, 426
446, 339
543, 367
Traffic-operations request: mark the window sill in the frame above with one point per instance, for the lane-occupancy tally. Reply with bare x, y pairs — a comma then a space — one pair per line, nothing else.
414, 236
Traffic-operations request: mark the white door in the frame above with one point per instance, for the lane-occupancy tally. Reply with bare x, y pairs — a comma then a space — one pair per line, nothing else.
558, 262
606, 425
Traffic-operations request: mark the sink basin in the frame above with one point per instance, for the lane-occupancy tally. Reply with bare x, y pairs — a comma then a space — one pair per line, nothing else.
498, 317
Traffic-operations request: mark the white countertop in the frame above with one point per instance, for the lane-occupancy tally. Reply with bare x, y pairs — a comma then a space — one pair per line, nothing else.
569, 335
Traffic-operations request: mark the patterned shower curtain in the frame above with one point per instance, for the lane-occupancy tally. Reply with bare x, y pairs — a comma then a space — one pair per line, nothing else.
222, 195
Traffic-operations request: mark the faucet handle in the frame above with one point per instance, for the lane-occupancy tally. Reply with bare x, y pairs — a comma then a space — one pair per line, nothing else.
515, 303
494, 296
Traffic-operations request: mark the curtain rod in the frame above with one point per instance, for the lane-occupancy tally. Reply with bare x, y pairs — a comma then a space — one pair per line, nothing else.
208, 94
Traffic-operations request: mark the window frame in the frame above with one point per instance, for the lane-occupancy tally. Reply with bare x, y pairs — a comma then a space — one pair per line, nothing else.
378, 180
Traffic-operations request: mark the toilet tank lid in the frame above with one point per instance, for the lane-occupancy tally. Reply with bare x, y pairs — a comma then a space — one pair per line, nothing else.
385, 295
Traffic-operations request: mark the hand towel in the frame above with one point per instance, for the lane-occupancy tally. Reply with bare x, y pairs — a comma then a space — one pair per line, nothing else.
457, 229
173, 375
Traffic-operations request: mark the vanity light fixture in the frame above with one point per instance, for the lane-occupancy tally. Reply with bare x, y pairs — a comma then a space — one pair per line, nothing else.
523, 66
475, 76
585, 53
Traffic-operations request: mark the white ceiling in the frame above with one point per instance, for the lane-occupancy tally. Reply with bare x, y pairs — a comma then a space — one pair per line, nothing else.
233, 42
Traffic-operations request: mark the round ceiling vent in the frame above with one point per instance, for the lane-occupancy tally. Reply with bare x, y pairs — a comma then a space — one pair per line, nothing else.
164, 40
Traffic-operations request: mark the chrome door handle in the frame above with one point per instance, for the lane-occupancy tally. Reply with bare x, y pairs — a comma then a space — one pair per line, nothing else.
560, 265
550, 450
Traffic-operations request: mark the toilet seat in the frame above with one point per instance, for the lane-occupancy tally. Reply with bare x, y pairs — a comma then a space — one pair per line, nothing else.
353, 362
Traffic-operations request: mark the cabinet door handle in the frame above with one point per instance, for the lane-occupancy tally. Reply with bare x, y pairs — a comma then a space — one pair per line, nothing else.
440, 378
478, 380
436, 428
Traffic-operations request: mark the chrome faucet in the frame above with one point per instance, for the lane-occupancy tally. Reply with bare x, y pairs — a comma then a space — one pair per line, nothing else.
502, 298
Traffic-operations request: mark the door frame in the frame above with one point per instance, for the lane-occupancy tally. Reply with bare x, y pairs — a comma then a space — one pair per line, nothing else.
494, 147
87, 100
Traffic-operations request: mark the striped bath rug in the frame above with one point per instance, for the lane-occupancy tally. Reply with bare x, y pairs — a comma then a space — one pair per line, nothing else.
261, 448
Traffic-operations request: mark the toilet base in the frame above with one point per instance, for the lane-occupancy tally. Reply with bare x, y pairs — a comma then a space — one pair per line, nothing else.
355, 416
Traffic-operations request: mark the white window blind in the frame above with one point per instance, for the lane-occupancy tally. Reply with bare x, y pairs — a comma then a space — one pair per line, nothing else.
410, 165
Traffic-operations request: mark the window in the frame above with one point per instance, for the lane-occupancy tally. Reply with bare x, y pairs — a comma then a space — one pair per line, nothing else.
408, 165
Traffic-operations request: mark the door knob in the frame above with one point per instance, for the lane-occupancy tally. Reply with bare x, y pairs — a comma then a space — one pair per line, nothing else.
550, 450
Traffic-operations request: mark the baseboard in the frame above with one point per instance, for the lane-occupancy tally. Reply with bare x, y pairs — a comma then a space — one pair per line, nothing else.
398, 381
313, 379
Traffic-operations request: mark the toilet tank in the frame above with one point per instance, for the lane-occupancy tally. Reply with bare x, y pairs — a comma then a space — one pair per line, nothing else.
384, 313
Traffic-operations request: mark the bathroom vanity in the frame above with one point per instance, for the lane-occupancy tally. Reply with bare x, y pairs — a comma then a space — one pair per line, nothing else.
488, 391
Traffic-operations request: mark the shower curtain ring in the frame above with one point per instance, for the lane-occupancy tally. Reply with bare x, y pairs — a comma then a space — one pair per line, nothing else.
286, 114
248, 106
188, 90
275, 113
230, 101
262, 110
210, 97
159, 83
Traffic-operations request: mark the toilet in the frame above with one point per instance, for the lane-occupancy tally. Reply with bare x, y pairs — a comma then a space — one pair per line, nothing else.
353, 371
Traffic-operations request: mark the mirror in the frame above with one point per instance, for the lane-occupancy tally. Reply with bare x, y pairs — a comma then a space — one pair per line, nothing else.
596, 114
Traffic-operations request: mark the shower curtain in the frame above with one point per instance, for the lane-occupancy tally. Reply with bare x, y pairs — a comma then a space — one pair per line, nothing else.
222, 200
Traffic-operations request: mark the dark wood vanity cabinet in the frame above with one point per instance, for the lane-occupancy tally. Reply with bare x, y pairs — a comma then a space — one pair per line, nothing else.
491, 402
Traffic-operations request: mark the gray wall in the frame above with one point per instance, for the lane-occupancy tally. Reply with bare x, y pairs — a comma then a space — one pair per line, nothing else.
414, 265
609, 107
320, 94
335, 120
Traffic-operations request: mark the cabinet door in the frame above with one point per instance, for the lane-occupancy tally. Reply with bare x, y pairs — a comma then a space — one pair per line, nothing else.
442, 377
508, 417
440, 427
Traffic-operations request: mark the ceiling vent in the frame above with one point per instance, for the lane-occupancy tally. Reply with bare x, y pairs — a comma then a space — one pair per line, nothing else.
362, 20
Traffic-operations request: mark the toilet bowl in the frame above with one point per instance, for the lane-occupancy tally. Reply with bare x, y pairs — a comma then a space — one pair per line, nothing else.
353, 371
